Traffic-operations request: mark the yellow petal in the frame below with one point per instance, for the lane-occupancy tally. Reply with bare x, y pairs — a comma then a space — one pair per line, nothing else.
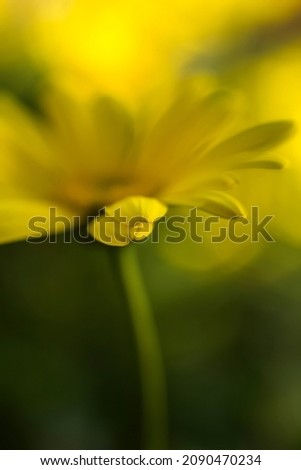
192, 187
114, 127
138, 206
100, 130
131, 218
222, 204
257, 138
23, 218
191, 121
29, 162
221, 182
22, 132
109, 231
272, 163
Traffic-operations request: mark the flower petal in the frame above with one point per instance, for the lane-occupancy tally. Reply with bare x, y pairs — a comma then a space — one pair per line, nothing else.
193, 186
187, 126
23, 218
222, 204
114, 127
257, 138
131, 218
100, 130
138, 206
22, 135
109, 231
273, 163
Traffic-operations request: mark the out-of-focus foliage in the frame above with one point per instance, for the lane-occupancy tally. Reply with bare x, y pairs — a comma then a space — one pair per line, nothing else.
20, 72
70, 375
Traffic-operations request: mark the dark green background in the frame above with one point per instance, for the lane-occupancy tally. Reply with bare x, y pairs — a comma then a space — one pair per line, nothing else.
69, 371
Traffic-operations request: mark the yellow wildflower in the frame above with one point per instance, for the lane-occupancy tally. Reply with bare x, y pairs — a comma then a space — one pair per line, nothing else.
94, 159
125, 47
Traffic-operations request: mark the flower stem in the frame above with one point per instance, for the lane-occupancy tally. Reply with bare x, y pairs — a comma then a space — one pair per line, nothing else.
153, 382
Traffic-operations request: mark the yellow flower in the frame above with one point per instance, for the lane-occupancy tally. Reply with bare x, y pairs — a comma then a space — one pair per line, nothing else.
127, 46
123, 171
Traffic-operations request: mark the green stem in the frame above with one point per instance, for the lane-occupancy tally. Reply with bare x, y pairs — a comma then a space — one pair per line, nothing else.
153, 382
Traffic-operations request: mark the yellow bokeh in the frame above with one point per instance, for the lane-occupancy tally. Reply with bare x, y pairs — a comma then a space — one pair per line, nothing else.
128, 47
272, 84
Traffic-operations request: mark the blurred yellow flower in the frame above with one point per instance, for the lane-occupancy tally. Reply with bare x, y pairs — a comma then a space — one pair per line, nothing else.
83, 156
127, 47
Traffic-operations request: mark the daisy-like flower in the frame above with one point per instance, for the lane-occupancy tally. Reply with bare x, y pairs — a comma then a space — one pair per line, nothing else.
92, 158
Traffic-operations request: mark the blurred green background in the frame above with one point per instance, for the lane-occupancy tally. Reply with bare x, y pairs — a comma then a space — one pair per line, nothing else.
69, 371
